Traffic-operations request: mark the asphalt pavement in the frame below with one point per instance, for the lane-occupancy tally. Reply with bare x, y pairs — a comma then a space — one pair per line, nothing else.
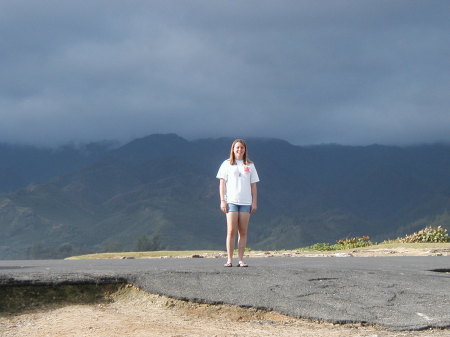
400, 293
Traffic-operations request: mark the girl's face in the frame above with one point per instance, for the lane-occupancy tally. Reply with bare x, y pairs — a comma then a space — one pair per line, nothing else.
239, 150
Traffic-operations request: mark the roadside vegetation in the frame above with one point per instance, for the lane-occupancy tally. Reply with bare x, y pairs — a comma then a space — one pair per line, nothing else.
146, 254
427, 235
356, 242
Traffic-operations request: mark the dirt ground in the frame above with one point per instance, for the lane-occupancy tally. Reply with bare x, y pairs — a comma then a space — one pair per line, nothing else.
135, 313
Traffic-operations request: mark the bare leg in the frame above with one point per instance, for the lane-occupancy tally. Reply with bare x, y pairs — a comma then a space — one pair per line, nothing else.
242, 229
232, 225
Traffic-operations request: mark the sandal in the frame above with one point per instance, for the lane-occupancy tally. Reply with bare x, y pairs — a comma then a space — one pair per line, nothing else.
228, 264
242, 264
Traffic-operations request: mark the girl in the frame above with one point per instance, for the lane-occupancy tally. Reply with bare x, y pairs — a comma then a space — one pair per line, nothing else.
238, 197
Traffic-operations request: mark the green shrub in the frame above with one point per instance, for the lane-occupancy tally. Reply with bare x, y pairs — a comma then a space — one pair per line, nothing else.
348, 243
320, 246
428, 234
357, 242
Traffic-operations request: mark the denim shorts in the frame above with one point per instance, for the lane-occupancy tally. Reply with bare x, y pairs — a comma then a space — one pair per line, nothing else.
239, 208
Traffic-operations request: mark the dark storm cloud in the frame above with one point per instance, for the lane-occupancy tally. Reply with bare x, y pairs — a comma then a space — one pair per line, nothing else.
353, 72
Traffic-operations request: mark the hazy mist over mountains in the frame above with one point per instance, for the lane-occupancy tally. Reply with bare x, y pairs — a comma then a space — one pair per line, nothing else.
100, 197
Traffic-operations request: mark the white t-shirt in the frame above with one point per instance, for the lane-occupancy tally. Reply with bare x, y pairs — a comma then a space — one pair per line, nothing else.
238, 180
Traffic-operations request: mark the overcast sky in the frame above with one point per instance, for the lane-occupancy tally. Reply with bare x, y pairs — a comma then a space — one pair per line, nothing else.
349, 72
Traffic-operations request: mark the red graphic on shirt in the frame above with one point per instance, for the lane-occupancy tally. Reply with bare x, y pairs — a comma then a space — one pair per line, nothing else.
246, 169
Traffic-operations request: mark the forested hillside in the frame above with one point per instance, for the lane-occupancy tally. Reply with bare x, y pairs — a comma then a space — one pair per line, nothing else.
163, 187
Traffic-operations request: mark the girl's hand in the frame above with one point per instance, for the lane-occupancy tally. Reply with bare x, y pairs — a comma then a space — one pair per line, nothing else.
223, 206
254, 208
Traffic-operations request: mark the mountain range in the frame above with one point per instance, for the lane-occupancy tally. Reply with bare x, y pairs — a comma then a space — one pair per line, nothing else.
105, 197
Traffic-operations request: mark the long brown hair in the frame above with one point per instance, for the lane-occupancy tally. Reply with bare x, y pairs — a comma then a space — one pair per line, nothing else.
247, 161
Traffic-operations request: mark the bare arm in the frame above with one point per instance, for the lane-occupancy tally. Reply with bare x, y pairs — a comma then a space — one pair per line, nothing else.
223, 203
254, 197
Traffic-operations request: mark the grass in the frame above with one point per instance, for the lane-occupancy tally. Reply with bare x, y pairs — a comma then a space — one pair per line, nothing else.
429, 237
142, 255
150, 254
349, 243
310, 249
394, 244
389, 245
